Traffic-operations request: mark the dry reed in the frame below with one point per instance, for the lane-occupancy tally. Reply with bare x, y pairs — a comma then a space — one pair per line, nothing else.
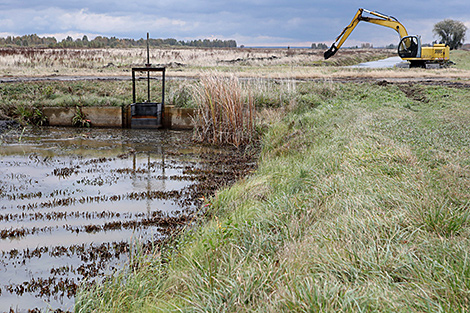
226, 113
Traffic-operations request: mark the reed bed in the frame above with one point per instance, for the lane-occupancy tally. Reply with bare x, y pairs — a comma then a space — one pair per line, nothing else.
226, 112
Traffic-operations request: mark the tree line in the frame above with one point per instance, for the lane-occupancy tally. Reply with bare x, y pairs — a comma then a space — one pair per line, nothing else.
111, 42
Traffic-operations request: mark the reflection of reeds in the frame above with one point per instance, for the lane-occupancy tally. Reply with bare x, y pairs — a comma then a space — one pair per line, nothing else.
225, 111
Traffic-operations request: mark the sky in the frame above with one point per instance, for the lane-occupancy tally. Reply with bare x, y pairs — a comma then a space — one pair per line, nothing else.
295, 23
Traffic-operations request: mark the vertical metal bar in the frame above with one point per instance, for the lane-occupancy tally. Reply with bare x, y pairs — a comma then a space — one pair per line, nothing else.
133, 86
148, 51
148, 72
163, 89
148, 86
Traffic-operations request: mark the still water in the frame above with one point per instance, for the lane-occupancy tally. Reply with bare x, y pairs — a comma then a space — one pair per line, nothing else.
72, 200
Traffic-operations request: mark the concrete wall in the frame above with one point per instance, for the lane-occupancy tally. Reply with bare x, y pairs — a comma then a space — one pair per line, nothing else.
99, 116
59, 116
173, 118
178, 118
104, 116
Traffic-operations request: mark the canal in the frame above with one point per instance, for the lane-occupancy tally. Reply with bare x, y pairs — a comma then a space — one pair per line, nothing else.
74, 201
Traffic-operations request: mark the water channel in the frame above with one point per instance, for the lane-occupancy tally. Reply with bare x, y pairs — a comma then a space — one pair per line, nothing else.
72, 201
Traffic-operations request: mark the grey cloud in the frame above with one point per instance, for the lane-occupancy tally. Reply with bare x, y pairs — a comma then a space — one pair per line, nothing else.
247, 21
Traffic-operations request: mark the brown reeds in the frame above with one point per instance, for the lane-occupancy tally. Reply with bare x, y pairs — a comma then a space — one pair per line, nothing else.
225, 111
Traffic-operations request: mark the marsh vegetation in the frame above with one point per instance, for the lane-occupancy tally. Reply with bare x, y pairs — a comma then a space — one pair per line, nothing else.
359, 200
191, 62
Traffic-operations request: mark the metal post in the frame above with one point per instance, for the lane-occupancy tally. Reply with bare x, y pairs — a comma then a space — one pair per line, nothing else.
148, 65
133, 86
148, 51
163, 90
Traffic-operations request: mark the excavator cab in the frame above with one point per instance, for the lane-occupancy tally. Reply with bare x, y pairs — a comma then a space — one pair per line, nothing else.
409, 47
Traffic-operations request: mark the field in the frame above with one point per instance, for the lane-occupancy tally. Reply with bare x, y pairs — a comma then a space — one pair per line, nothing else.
184, 62
97, 77
359, 202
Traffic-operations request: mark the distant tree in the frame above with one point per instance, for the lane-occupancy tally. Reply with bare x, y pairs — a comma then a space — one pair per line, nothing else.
450, 32
321, 46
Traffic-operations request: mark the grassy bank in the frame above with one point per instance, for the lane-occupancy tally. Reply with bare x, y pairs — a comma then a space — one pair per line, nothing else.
461, 59
360, 204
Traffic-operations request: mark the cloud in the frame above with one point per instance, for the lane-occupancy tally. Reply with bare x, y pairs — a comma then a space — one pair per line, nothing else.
7, 23
272, 22
86, 21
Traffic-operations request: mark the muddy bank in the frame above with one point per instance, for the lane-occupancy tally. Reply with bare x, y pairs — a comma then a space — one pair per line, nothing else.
73, 202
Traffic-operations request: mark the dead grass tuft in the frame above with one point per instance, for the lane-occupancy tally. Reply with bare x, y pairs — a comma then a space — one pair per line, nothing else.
226, 113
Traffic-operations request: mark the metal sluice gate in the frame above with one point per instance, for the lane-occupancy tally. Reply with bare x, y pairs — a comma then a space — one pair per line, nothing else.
147, 114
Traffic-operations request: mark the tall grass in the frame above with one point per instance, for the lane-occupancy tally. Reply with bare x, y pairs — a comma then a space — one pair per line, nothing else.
225, 112
145, 268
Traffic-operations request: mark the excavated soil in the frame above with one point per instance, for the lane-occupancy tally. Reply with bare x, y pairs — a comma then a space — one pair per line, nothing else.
74, 201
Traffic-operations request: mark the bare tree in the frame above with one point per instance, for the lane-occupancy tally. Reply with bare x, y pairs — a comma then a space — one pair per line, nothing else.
450, 32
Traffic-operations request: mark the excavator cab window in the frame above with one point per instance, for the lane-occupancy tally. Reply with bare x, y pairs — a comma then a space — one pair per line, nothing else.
409, 47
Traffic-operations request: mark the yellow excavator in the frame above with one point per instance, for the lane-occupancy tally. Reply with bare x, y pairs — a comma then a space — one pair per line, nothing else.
409, 48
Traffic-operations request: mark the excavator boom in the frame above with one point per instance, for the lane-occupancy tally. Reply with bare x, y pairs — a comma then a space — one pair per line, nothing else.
380, 19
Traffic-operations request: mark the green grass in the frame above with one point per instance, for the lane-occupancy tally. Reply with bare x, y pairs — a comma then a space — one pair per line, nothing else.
461, 59
360, 204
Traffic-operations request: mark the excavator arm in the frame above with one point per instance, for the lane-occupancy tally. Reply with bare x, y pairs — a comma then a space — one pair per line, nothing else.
380, 19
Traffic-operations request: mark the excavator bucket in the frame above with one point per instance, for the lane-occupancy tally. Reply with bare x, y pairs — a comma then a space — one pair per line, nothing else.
330, 52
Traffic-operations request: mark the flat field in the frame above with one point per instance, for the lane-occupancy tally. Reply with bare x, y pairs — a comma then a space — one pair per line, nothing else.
185, 62
97, 77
